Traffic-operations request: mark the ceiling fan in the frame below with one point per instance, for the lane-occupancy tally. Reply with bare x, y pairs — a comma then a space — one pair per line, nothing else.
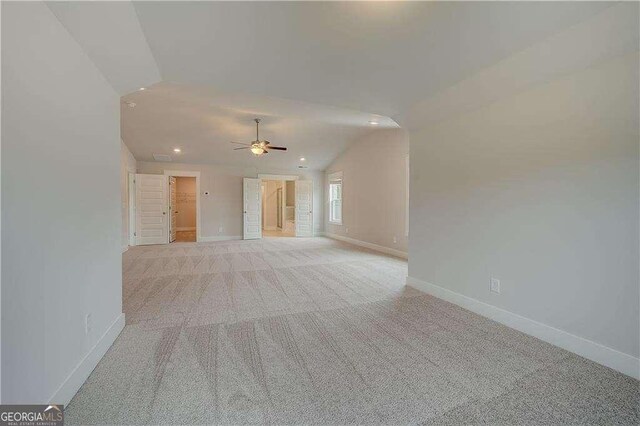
259, 147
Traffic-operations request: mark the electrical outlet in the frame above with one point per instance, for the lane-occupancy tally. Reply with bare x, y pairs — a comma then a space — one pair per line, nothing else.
220, 229
346, 230
495, 285
395, 240
88, 324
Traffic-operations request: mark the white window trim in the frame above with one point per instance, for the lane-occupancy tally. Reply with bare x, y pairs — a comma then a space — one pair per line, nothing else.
337, 176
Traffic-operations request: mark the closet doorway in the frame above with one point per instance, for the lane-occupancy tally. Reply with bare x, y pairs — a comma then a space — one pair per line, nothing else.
182, 208
164, 208
183, 199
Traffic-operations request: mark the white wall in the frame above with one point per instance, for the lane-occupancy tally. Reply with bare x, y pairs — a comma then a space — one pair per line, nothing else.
539, 189
61, 207
127, 165
223, 206
373, 190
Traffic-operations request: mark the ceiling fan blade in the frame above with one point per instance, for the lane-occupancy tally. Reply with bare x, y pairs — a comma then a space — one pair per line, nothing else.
266, 142
244, 147
240, 143
279, 148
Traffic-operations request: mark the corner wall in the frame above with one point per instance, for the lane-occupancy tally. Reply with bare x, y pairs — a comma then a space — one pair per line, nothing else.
61, 246
540, 190
373, 190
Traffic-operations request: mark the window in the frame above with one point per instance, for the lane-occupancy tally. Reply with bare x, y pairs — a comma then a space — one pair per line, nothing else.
335, 198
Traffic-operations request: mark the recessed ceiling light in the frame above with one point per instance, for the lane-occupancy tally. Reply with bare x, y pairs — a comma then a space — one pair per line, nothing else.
373, 122
142, 88
177, 150
302, 159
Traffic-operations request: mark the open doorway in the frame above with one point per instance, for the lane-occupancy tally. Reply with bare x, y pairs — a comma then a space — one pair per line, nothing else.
278, 208
266, 212
164, 208
182, 207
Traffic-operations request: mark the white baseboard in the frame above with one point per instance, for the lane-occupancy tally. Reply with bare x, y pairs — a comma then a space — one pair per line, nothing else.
368, 245
125, 248
185, 228
79, 375
219, 238
596, 352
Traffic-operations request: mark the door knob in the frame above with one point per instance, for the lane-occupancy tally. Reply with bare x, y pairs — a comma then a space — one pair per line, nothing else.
164, 212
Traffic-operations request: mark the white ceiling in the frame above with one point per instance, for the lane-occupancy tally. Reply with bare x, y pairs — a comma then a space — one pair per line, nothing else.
379, 57
110, 34
315, 71
609, 34
202, 122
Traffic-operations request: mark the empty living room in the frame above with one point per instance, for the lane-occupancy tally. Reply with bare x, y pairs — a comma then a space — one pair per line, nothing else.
327, 213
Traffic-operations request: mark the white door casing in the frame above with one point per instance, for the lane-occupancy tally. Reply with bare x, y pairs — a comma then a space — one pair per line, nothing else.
263, 203
173, 222
304, 208
151, 209
132, 209
252, 209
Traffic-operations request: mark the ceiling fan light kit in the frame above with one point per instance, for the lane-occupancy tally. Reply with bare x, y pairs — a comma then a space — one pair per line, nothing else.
259, 147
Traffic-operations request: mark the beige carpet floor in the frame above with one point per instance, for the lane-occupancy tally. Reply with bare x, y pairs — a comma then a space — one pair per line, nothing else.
314, 331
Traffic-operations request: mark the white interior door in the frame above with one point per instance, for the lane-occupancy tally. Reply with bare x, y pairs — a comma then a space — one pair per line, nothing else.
173, 223
151, 209
304, 208
252, 197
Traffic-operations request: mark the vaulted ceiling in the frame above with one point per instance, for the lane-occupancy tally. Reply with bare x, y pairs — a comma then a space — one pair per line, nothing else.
202, 122
316, 72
